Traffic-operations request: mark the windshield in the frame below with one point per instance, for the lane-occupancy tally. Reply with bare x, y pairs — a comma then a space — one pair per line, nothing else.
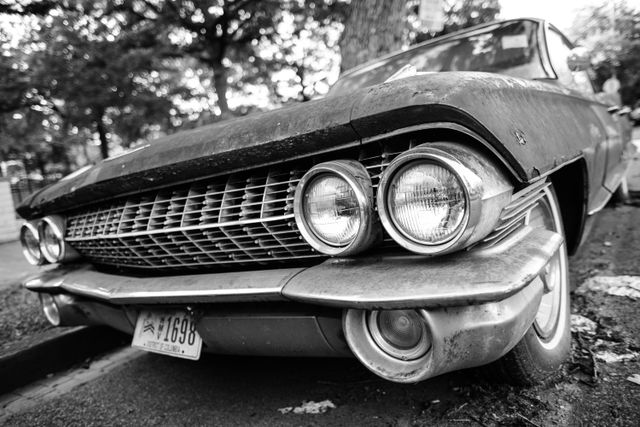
509, 48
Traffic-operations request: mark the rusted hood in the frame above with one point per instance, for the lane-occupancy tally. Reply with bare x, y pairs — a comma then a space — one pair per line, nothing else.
525, 121
208, 150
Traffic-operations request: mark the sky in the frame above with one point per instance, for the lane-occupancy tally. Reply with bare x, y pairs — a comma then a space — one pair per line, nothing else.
559, 12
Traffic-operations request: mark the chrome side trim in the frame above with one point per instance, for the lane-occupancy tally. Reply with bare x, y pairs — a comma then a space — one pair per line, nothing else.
263, 285
514, 216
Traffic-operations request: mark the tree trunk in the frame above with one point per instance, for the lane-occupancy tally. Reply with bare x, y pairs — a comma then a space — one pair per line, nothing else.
372, 29
104, 142
220, 84
64, 145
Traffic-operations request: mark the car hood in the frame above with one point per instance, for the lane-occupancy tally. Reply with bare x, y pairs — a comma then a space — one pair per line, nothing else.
481, 102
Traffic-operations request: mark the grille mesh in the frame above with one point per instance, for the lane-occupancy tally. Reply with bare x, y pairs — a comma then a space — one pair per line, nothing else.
243, 219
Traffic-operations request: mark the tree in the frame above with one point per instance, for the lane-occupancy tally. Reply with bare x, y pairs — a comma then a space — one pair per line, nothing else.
215, 33
303, 55
83, 67
94, 78
611, 33
376, 27
372, 29
458, 15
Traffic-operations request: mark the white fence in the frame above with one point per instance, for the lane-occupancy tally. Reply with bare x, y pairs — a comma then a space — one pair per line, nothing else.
9, 225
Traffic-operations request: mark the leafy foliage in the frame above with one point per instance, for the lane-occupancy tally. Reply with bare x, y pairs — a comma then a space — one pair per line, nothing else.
612, 35
459, 15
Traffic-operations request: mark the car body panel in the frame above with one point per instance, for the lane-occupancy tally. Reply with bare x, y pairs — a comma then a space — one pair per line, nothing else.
535, 126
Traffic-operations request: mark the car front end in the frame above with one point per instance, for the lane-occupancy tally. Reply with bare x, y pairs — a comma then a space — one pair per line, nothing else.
413, 252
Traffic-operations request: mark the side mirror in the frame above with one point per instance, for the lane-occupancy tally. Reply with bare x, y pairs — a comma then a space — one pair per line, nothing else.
579, 59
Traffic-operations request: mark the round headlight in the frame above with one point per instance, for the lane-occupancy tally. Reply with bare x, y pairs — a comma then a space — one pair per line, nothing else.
31, 244
333, 207
50, 243
426, 202
430, 198
51, 239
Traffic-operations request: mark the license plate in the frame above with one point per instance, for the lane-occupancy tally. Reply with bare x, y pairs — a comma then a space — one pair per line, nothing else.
167, 332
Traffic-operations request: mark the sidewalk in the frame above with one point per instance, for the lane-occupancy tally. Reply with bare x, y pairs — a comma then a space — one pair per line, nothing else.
13, 266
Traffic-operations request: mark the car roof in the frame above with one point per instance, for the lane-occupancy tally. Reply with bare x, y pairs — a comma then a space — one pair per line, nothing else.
451, 36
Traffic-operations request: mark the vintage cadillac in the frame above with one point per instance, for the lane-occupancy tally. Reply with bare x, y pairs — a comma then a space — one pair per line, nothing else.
419, 217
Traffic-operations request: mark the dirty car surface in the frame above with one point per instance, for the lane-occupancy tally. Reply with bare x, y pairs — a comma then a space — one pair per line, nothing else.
418, 218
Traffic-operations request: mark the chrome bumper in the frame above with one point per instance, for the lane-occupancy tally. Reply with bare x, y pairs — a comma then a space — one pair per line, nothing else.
463, 278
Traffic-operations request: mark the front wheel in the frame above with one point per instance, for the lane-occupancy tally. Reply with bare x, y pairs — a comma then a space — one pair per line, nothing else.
546, 345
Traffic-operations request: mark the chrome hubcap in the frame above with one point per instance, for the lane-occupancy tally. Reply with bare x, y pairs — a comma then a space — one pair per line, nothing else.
552, 278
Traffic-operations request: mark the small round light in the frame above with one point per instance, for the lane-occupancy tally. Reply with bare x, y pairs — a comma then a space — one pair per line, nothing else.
400, 328
331, 209
50, 309
31, 244
402, 334
426, 202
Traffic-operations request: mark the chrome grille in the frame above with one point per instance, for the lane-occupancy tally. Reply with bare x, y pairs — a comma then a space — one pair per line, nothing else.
241, 219
245, 219
514, 215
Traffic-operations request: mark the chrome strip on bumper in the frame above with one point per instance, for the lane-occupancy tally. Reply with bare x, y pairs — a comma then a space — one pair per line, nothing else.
264, 285
464, 278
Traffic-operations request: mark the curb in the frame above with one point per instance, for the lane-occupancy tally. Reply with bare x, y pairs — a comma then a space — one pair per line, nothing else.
55, 350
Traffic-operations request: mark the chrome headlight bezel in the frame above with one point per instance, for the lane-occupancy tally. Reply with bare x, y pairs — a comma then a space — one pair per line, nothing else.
406, 166
356, 176
486, 190
57, 226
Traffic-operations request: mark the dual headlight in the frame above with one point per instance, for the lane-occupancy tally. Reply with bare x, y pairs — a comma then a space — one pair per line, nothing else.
43, 241
333, 207
433, 199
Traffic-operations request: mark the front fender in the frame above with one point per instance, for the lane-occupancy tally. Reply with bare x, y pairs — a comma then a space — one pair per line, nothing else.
534, 126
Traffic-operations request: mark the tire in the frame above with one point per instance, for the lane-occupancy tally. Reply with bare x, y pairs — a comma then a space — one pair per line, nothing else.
538, 357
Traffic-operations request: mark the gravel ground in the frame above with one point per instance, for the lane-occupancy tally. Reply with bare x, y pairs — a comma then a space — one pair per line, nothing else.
20, 316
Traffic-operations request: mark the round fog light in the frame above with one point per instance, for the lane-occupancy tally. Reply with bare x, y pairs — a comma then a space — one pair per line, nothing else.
50, 309
400, 333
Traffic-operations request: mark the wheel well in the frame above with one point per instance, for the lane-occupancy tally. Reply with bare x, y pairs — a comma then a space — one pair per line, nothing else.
570, 184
